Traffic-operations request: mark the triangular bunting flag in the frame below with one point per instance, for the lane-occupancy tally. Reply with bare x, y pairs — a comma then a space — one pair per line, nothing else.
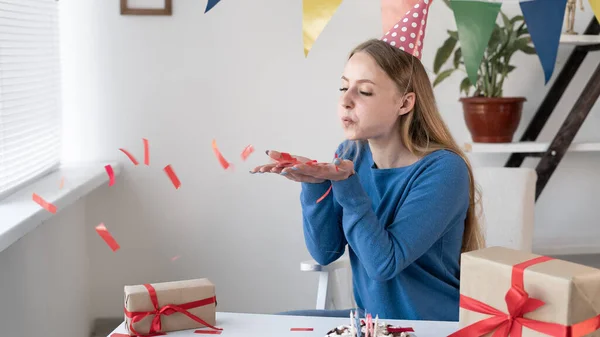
211, 4
475, 22
393, 10
315, 16
596, 8
544, 20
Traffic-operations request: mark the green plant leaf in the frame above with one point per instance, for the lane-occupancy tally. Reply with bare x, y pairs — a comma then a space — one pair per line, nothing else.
465, 86
494, 39
522, 30
516, 19
457, 57
442, 76
443, 53
507, 24
453, 33
522, 44
505, 69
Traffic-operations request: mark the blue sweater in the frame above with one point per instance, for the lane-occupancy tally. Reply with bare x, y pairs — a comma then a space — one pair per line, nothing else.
403, 228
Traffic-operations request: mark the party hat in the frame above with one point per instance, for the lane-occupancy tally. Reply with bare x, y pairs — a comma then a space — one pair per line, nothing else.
409, 32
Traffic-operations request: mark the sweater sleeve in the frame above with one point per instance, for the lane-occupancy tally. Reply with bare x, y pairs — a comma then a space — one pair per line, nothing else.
438, 197
322, 223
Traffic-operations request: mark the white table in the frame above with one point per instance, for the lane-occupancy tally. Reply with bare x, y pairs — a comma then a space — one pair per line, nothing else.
259, 325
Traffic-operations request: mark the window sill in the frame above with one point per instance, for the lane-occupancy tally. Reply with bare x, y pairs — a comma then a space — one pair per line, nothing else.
19, 214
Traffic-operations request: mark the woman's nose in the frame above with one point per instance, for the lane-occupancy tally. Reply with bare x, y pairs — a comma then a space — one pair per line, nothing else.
346, 101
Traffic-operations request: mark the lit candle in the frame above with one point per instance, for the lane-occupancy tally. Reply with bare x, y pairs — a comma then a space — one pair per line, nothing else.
376, 326
369, 327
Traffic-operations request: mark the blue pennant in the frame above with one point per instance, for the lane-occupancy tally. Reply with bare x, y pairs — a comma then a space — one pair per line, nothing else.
544, 20
211, 4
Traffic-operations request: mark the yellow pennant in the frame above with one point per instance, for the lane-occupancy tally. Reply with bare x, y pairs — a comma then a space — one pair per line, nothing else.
596, 8
315, 16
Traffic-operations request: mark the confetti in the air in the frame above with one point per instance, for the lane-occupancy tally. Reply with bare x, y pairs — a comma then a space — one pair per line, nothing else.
220, 157
146, 152
46, 205
174, 258
107, 237
130, 156
171, 174
111, 174
62, 183
247, 152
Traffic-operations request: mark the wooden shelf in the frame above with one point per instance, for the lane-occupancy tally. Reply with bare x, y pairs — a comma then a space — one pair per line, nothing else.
525, 147
580, 39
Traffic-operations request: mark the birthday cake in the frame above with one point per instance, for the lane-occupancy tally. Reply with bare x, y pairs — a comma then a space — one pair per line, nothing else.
386, 330
369, 327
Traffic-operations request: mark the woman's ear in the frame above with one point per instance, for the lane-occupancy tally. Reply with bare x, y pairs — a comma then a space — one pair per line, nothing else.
407, 103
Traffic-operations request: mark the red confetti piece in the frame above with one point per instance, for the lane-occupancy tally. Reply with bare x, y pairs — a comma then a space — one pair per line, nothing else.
301, 329
46, 205
169, 171
111, 174
116, 334
220, 157
247, 152
175, 257
108, 238
146, 152
209, 332
131, 157
396, 330
324, 195
62, 183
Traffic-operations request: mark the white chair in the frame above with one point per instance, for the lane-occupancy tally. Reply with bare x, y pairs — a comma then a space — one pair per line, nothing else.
508, 202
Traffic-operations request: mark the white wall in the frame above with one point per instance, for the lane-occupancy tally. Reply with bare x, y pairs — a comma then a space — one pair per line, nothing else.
44, 278
238, 74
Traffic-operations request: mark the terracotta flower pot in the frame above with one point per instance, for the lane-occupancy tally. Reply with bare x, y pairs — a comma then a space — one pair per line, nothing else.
492, 119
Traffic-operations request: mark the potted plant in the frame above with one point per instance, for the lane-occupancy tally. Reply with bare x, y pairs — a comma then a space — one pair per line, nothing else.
489, 116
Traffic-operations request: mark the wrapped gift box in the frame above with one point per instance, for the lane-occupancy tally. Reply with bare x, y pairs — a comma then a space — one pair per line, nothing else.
508, 291
170, 306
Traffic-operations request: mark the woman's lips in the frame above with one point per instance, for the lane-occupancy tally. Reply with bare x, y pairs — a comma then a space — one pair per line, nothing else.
347, 121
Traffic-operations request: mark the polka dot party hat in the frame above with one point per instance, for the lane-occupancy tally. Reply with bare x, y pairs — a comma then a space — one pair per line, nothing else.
409, 32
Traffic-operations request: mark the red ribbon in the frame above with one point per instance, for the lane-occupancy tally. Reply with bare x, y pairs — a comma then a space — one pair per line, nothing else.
519, 303
166, 310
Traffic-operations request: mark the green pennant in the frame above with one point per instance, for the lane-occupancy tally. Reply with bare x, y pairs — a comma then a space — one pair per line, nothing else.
475, 21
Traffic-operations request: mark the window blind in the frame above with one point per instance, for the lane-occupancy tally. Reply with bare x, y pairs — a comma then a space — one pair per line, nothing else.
29, 91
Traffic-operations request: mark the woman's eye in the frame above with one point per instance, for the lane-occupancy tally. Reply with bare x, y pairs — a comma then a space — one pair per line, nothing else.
366, 93
343, 89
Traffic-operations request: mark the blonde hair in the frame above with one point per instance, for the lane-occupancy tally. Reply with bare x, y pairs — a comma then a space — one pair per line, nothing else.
423, 130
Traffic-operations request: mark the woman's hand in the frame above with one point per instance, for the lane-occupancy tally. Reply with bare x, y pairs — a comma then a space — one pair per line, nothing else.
302, 169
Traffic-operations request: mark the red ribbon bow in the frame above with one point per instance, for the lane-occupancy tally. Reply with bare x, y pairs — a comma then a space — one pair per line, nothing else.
519, 303
169, 309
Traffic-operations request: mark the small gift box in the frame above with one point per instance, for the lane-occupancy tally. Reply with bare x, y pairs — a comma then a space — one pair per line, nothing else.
508, 292
153, 309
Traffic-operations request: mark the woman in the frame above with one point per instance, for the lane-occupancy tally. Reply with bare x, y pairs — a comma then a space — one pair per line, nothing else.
402, 195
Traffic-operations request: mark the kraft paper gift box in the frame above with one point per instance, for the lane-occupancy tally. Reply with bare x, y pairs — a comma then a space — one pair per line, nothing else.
170, 306
546, 297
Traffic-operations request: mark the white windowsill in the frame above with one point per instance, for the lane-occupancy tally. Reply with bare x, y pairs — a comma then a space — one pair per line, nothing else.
19, 214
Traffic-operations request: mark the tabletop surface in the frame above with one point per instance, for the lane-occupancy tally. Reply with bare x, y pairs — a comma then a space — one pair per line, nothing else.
261, 325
